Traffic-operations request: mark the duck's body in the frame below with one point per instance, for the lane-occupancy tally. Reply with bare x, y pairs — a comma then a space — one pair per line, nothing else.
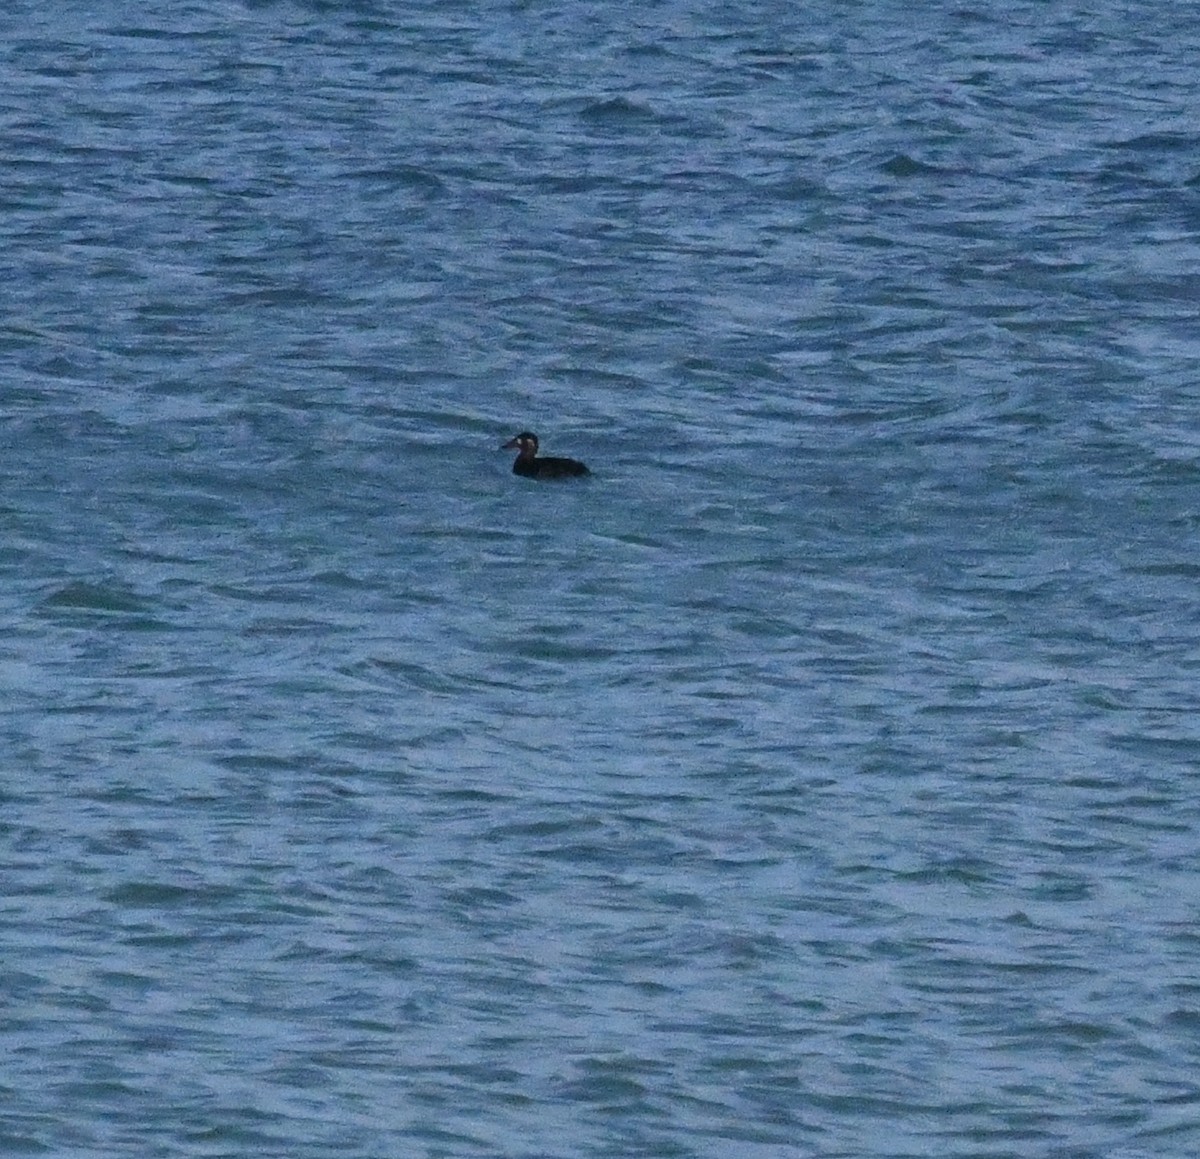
531, 467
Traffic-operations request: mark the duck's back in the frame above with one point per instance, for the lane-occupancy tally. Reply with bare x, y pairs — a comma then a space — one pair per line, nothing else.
550, 467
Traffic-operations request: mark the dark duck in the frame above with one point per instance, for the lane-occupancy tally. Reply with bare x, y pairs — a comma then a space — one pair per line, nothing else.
548, 467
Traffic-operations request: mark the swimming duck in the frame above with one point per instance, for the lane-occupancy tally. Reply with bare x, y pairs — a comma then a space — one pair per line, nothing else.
529, 465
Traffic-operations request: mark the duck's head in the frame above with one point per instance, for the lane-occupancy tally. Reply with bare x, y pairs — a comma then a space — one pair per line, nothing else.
526, 442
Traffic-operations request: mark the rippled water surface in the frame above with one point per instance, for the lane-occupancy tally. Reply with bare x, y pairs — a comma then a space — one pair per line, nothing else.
819, 778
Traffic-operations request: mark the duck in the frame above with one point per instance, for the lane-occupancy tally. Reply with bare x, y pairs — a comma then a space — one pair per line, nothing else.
531, 467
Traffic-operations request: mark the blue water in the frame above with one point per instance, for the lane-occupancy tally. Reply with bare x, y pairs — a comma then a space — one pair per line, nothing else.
819, 778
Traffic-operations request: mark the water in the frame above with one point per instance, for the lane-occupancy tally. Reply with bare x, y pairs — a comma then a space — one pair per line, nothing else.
815, 780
